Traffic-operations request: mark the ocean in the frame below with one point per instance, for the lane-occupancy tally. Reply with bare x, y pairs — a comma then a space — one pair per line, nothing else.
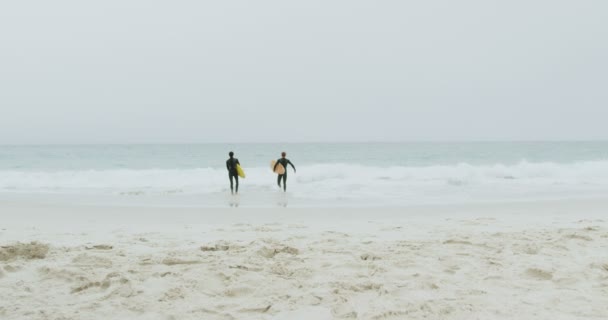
328, 174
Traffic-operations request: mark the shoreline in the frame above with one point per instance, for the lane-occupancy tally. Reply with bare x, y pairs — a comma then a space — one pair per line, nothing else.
19, 210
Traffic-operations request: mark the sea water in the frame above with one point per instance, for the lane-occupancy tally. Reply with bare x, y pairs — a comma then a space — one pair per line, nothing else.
342, 174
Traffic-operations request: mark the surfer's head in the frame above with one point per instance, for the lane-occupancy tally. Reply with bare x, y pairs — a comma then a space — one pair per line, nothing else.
231, 154
283, 154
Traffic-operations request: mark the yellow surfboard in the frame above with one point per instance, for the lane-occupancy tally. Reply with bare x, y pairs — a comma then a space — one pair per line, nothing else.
240, 171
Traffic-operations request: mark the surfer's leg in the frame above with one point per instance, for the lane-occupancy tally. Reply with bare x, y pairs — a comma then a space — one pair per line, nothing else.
231, 183
279, 179
285, 182
236, 177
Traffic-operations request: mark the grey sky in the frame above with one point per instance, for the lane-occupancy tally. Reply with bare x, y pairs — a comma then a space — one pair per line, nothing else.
245, 71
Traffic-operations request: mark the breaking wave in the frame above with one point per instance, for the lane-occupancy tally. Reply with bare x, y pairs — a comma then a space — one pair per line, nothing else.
326, 181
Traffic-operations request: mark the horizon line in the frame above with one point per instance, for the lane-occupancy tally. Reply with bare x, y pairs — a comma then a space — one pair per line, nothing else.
304, 142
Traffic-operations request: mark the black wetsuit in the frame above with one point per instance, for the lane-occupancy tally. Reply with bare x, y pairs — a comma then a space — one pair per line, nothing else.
232, 173
284, 162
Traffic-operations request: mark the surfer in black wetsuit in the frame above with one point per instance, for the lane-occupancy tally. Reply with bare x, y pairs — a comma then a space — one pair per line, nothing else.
284, 162
231, 164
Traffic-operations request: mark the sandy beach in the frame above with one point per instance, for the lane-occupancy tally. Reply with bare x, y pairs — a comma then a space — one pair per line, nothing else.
528, 260
303, 160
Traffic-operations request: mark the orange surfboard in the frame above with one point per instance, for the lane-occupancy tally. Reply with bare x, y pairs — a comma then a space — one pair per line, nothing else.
280, 169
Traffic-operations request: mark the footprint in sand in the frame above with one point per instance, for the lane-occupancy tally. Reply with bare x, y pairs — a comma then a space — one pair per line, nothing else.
391, 315
369, 257
539, 274
601, 266
10, 268
89, 285
119, 285
220, 246
454, 241
100, 247
170, 261
26, 251
592, 228
238, 291
267, 228
297, 226
173, 294
269, 253
86, 260
344, 310
578, 237
530, 249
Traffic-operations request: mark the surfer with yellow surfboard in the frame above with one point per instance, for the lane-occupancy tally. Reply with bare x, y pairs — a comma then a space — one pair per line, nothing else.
280, 167
234, 171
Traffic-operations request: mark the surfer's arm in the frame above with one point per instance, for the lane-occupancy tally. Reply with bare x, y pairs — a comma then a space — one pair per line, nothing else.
275, 166
227, 166
291, 164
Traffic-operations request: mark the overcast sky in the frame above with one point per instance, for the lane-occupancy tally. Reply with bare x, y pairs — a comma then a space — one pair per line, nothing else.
118, 71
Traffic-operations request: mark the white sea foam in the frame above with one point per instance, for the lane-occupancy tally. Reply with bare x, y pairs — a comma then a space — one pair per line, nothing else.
335, 181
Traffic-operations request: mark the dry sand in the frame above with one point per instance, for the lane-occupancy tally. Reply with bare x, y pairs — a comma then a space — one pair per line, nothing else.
543, 260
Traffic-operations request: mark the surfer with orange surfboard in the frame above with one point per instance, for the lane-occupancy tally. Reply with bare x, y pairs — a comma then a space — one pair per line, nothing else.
280, 167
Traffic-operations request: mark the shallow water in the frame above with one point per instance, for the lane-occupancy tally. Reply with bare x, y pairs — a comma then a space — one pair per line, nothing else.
338, 174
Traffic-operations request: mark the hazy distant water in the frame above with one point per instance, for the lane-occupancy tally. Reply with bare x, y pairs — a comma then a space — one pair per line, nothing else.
373, 173
104, 157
